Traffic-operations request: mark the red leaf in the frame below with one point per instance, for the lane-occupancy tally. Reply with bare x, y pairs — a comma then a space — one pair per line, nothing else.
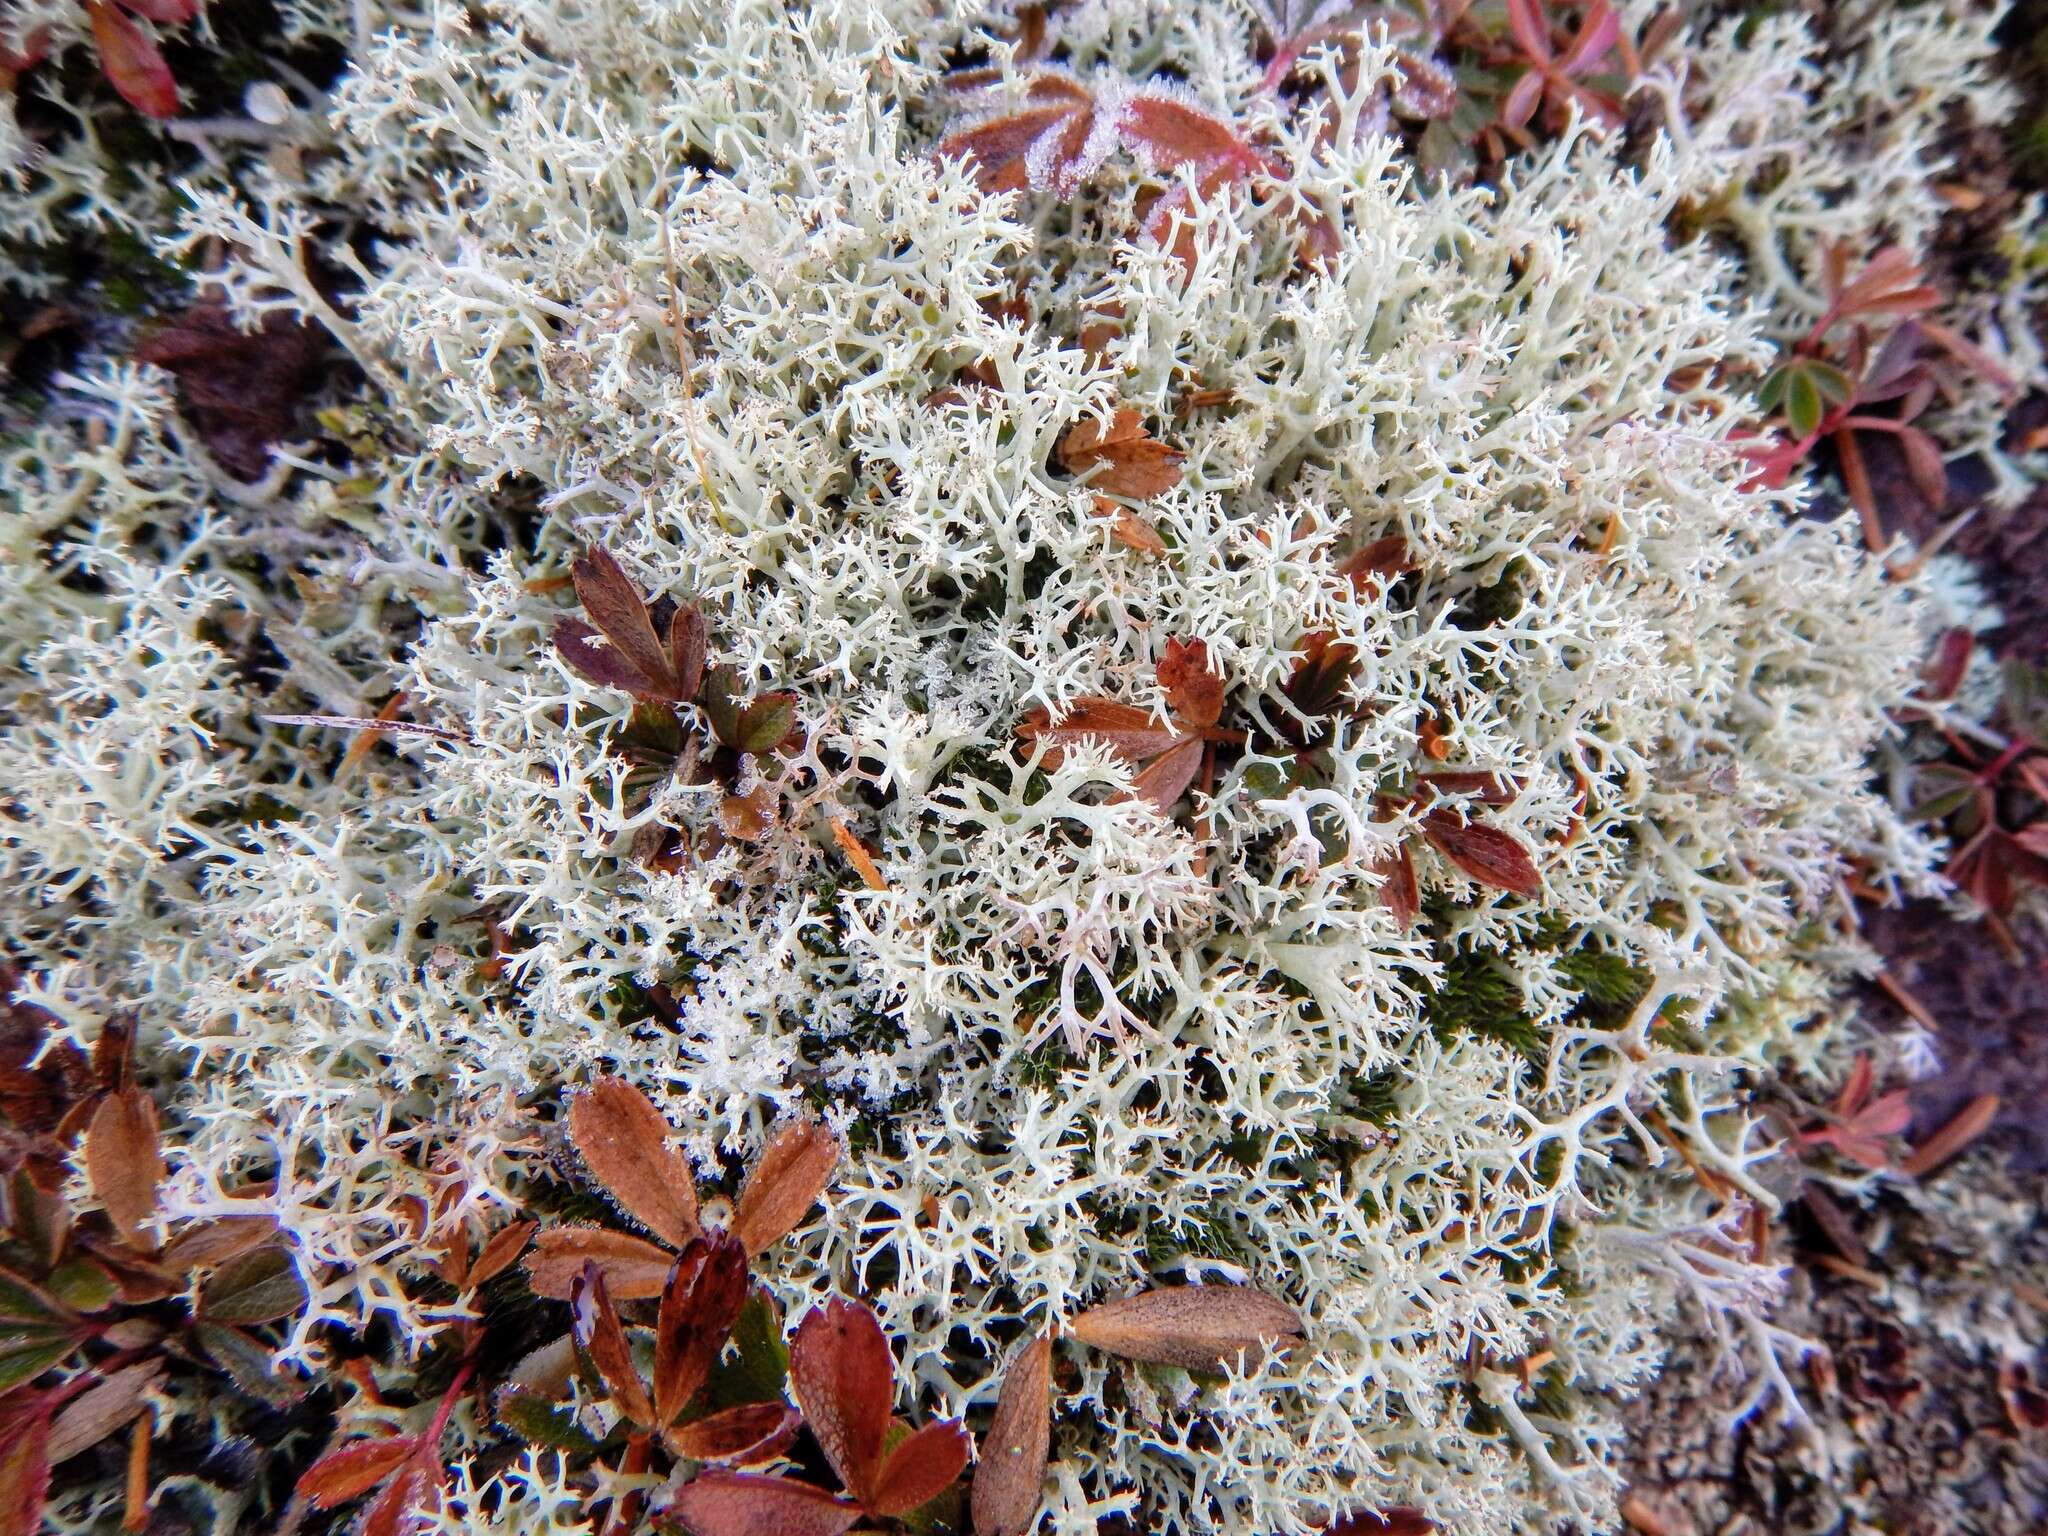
1972, 1121
1166, 778
698, 1308
1522, 101
123, 1160
689, 644
746, 1434
745, 1504
843, 1377
1487, 854
25, 1474
417, 1485
1398, 888
634, 1269
625, 1141
1170, 133
1194, 688
1043, 144
1598, 34
616, 607
605, 665
1133, 734
131, 62
1125, 458
1196, 1327
1368, 569
1531, 29
595, 1323
1399, 1521
793, 1168
169, 12
1010, 1475
921, 1468
1951, 662
354, 1470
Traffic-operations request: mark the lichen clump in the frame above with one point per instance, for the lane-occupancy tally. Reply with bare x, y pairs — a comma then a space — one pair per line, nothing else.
1256, 721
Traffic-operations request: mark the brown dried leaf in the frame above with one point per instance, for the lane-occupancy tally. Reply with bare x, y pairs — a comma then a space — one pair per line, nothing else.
634, 1269
1131, 530
123, 1161
500, 1252
749, 817
594, 1322
354, 1470
1124, 458
1197, 1327
720, 1503
784, 1183
842, 1376
1009, 1478
1370, 568
100, 1410
689, 644
1487, 854
625, 1142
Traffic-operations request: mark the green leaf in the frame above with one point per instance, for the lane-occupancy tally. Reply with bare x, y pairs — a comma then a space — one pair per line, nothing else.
247, 1363
82, 1285
25, 1353
1770, 395
540, 1422
22, 1302
260, 1286
758, 1366
765, 722
720, 700
1803, 404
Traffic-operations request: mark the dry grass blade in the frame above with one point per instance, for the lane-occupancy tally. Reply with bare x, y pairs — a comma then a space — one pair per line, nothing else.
1197, 1327
124, 1162
625, 1142
785, 1183
1972, 1121
1009, 1479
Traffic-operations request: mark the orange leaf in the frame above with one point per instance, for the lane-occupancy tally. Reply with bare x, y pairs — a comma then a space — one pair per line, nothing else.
1010, 1476
698, 1308
1131, 530
354, 1470
1487, 854
625, 1142
720, 1503
785, 1182
1123, 457
131, 62
1197, 1327
123, 1161
634, 1269
921, 1468
594, 1322
857, 855
842, 1375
